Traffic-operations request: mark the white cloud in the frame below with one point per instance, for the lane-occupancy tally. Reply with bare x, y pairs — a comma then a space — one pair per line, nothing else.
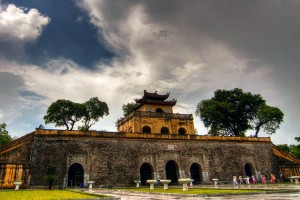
175, 55
15, 23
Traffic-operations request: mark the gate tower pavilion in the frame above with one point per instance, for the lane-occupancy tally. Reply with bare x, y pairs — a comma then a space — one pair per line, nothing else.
154, 115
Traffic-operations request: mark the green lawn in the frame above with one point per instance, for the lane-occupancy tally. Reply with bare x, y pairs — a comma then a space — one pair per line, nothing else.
42, 195
198, 191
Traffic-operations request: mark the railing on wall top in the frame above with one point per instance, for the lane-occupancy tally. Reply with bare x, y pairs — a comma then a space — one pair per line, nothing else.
48, 132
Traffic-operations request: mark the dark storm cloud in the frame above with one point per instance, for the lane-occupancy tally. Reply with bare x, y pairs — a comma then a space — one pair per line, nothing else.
196, 47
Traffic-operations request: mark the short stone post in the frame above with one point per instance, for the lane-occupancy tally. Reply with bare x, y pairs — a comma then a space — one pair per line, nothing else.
191, 183
151, 182
165, 182
215, 180
90, 184
138, 182
17, 184
184, 182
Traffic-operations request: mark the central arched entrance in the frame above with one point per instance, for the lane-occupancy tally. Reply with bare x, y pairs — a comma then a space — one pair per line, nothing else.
146, 173
181, 131
164, 130
196, 173
159, 110
172, 172
75, 175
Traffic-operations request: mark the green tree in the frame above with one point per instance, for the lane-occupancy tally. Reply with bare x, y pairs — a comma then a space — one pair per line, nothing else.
4, 136
232, 113
269, 118
128, 108
284, 147
294, 150
64, 113
93, 110
50, 179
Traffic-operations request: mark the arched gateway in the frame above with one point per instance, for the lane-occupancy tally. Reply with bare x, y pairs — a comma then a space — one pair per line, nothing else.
146, 173
196, 172
249, 169
172, 172
75, 175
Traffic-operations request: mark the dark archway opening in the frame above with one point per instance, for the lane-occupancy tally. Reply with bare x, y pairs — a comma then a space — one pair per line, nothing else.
146, 173
172, 172
146, 129
181, 131
248, 169
164, 130
196, 173
75, 175
159, 110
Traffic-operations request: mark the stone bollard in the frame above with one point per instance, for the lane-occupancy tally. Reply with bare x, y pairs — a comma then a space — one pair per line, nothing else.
137, 183
165, 182
191, 183
184, 182
151, 182
17, 184
215, 180
90, 184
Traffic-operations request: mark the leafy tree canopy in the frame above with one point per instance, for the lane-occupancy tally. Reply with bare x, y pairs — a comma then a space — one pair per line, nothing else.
233, 112
4, 136
93, 110
128, 108
269, 118
294, 150
64, 113
67, 113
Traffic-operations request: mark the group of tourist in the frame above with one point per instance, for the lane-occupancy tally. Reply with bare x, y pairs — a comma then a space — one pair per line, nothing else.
252, 179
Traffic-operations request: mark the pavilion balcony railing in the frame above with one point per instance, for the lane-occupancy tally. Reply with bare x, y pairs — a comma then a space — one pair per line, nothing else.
167, 116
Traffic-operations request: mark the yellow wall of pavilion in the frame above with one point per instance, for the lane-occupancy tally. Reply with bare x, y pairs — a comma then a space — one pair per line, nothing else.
152, 108
136, 123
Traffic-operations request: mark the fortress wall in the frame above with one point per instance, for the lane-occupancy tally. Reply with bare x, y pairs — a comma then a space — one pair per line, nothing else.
117, 161
15, 162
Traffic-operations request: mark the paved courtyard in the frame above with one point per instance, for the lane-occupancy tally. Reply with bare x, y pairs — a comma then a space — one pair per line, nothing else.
124, 195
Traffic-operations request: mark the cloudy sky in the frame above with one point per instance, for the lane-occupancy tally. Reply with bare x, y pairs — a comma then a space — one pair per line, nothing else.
114, 50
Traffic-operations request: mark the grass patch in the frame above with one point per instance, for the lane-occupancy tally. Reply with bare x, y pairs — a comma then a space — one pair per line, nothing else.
196, 191
44, 195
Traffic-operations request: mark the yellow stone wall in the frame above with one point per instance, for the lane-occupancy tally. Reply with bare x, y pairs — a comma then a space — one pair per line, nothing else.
152, 108
135, 124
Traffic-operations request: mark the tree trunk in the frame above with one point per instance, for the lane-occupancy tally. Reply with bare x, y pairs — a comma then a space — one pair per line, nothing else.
257, 130
50, 184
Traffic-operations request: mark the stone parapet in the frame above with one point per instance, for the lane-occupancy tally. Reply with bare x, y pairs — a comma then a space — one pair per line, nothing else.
48, 132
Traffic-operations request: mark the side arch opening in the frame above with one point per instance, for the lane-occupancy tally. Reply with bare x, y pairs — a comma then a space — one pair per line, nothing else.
75, 175
249, 169
196, 173
146, 173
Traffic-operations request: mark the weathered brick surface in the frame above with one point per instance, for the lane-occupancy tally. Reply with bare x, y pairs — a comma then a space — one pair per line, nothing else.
117, 161
17, 151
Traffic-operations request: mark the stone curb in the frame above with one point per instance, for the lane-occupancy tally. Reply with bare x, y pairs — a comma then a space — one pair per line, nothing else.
216, 195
